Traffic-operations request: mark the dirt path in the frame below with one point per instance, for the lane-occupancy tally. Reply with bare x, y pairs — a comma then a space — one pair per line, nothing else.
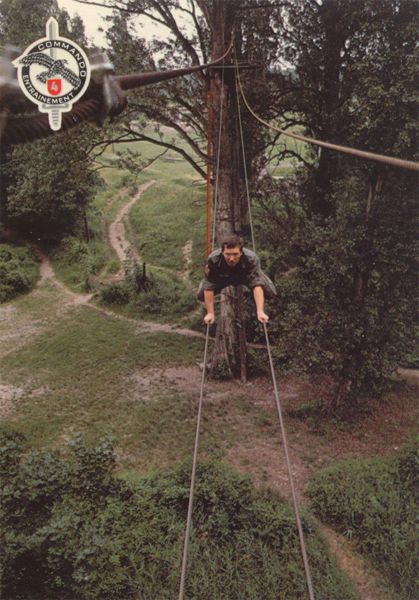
362, 575
117, 233
183, 275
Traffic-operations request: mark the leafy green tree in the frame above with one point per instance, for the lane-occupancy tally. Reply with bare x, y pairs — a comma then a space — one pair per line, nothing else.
51, 183
345, 230
47, 184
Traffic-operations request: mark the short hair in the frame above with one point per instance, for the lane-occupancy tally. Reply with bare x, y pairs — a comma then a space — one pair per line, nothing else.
232, 241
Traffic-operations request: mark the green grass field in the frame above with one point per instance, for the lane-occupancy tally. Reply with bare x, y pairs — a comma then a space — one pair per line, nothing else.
84, 373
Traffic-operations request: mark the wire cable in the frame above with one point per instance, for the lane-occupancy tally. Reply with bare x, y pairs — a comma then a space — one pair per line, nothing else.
192, 487
217, 170
290, 477
244, 159
277, 401
389, 160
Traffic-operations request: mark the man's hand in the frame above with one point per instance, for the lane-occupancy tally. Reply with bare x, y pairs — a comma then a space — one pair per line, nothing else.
209, 318
262, 317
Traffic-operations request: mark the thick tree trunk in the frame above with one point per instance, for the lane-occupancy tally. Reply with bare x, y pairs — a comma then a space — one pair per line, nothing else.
228, 209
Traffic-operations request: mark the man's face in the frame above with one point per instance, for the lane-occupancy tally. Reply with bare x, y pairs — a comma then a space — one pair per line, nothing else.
232, 256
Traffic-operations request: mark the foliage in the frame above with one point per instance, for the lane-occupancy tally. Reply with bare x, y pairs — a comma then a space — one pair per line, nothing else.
20, 31
158, 294
339, 239
18, 271
47, 184
115, 293
50, 184
373, 502
70, 528
327, 318
77, 261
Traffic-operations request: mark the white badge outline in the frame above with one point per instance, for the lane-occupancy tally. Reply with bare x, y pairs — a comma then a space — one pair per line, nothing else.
54, 111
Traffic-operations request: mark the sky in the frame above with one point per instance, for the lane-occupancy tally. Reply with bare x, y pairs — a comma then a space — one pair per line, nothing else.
92, 17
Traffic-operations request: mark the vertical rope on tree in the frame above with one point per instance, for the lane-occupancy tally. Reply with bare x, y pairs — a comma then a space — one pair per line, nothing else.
208, 198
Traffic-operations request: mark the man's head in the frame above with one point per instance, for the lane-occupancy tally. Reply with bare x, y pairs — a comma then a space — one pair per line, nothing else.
232, 249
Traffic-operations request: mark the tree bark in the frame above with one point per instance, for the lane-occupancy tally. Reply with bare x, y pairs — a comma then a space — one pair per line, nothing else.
229, 213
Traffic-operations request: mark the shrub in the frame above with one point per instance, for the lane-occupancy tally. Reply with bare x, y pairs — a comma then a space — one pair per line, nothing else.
70, 529
18, 271
165, 296
115, 293
373, 502
76, 260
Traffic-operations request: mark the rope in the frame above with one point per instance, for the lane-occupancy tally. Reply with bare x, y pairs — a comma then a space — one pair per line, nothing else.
208, 195
389, 160
194, 462
291, 480
201, 394
244, 160
218, 158
278, 404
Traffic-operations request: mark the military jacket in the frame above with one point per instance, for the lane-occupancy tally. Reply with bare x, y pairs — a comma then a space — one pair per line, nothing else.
219, 275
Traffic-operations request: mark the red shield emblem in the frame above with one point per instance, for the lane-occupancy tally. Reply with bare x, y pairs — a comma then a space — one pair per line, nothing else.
54, 86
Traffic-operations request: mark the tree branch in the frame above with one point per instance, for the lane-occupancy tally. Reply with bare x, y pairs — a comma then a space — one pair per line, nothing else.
199, 32
110, 7
186, 156
163, 9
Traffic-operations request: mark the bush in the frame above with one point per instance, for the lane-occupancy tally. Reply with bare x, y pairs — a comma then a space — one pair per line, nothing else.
70, 529
115, 293
165, 296
346, 285
18, 271
373, 502
75, 260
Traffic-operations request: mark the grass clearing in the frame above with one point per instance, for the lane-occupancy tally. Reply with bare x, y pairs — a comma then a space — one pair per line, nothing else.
81, 375
77, 377
81, 364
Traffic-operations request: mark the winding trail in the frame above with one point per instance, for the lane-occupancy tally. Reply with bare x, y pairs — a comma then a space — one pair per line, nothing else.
117, 232
122, 246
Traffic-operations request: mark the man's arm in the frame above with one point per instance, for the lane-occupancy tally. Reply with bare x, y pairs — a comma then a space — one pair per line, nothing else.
259, 297
209, 305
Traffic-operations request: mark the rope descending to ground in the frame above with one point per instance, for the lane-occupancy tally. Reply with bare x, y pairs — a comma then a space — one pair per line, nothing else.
194, 462
290, 477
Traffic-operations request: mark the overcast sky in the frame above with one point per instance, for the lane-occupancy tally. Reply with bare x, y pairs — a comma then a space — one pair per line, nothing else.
92, 17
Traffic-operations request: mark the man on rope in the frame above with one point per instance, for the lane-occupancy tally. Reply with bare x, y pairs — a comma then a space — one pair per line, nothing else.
232, 264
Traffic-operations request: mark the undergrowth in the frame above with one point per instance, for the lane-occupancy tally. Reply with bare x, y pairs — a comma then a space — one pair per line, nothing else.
76, 261
156, 295
373, 502
18, 270
71, 529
